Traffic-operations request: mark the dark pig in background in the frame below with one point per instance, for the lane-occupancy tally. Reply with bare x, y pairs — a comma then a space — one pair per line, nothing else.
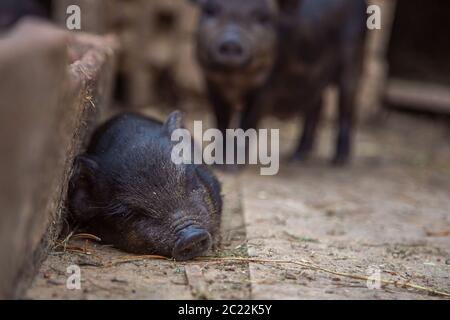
11, 11
126, 190
283, 53
236, 48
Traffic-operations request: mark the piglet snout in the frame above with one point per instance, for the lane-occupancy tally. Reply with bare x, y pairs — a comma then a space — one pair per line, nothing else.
192, 242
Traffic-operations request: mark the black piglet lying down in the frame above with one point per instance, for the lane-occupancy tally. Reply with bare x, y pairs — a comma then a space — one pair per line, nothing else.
126, 190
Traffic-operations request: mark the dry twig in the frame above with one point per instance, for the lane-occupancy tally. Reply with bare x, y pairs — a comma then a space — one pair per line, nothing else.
302, 263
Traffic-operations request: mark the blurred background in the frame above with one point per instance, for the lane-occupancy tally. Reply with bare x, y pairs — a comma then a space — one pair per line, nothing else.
157, 63
56, 86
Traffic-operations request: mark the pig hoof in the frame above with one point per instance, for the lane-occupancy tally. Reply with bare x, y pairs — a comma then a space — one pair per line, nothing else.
299, 157
340, 161
192, 243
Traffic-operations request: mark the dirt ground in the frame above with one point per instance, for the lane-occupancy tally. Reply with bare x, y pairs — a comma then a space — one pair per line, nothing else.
389, 212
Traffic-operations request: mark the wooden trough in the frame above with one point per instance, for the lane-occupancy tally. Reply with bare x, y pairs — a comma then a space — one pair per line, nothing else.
53, 87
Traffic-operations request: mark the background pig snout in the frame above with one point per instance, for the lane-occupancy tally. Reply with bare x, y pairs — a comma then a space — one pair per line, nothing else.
192, 242
231, 50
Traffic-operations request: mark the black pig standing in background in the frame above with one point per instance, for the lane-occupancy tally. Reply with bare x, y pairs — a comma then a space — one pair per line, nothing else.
126, 190
283, 53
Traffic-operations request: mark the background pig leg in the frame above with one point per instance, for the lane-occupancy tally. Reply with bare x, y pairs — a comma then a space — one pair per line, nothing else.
348, 86
252, 111
251, 115
222, 111
312, 117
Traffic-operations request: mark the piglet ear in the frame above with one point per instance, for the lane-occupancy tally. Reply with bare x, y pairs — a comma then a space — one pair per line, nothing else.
173, 122
82, 187
288, 6
85, 166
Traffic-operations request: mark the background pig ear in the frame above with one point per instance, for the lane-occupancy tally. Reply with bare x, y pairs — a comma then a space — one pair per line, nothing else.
173, 122
288, 5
